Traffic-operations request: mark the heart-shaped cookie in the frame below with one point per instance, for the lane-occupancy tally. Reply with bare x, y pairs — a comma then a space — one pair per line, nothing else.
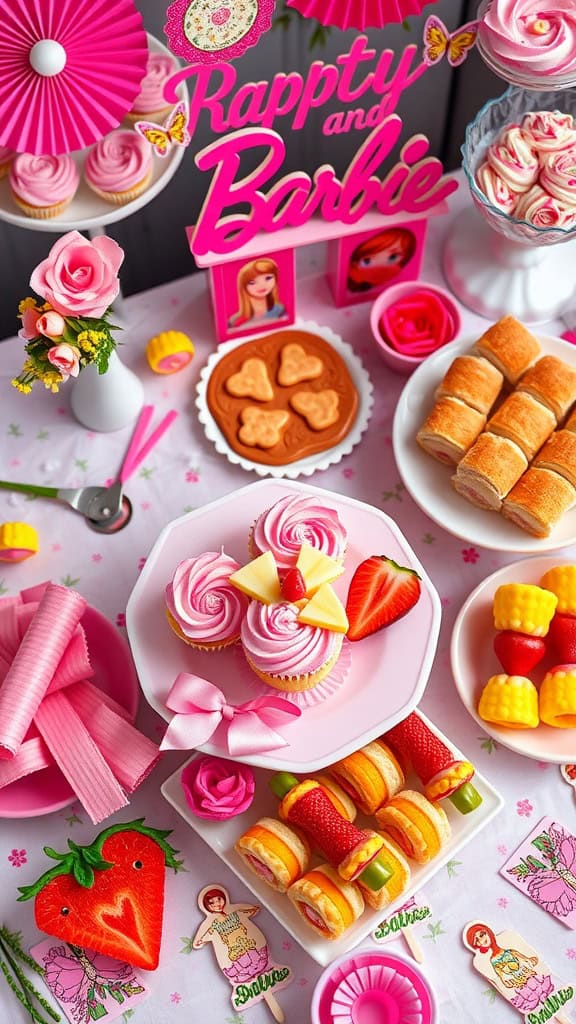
296, 365
251, 381
261, 429
319, 408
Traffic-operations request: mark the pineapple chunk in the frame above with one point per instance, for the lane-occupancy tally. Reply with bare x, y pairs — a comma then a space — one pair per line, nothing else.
317, 568
259, 579
325, 610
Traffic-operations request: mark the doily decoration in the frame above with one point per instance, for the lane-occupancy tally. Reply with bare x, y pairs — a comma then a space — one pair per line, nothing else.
206, 31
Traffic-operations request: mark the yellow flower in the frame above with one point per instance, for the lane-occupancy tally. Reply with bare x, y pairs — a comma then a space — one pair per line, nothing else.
51, 379
25, 389
28, 303
88, 341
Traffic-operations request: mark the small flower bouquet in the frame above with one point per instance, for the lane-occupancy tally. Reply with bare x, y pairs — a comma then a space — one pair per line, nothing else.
71, 328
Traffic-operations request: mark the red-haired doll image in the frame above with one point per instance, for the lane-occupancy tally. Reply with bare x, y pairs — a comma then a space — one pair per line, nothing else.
380, 258
240, 947
258, 294
513, 972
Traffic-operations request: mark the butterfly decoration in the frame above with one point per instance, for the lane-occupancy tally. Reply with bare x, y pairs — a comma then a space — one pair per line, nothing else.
162, 136
439, 42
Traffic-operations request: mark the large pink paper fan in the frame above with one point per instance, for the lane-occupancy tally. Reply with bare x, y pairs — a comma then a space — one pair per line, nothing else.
359, 14
69, 71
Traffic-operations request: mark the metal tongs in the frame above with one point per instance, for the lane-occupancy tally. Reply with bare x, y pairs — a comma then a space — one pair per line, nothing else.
106, 509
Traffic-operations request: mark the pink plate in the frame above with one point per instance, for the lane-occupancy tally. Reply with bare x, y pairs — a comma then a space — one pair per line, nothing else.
389, 670
474, 661
47, 791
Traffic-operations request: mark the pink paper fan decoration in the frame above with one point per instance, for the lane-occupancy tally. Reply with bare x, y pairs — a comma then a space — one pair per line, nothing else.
359, 14
206, 31
69, 71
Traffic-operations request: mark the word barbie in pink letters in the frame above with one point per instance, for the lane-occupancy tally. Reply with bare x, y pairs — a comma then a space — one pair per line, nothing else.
413, 186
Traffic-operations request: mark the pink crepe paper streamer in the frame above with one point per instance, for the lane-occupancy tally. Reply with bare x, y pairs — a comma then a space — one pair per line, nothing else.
78, 757
74, 665
130, 755
32, 757
7, 602
35, 663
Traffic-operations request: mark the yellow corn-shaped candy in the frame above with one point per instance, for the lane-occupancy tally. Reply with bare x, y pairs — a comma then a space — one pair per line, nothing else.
561, 580
524, 608
558, 697
509, 701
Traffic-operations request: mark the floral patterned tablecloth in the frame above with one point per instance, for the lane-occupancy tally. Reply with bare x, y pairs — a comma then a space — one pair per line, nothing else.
41, 442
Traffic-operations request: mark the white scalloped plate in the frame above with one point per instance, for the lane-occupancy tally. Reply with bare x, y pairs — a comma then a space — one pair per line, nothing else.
304, 467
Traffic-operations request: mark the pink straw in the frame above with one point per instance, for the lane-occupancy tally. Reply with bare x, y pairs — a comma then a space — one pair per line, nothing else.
35, 663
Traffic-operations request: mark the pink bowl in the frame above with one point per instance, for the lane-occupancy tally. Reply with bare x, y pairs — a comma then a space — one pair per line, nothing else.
370, 985
402, 362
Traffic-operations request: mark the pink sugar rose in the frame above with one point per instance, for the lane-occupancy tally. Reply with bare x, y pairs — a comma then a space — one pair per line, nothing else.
50, 324
79, 277
66, 359
419, 323
217, 789
29, 321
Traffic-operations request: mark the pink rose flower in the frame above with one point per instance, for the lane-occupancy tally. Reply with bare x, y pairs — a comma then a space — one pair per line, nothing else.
66, 359
217, 789
79, 277
29, 321
418, 323
50, 324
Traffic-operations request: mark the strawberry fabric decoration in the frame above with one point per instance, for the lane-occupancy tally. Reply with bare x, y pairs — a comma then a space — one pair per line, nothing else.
108, 896
381, 591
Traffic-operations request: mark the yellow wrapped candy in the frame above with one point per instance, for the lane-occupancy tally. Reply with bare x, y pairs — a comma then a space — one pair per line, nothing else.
524, 608
18, 541
509, 701
558, 697
169, 352
561, 580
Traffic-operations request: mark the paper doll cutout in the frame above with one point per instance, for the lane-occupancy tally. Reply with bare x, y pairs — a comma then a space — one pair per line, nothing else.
518, 973
241, 950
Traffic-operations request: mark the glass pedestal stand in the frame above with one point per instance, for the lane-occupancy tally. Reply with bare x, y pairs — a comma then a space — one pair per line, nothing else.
494, 275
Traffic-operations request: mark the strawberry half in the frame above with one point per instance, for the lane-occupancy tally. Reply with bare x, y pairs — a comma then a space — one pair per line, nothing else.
518, 653
562, 638
381, 591
293, 587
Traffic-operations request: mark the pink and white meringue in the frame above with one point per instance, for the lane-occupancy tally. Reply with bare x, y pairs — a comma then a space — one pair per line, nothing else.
536, 38
542, 210
549, 130
496, 189
514, 159
558, 176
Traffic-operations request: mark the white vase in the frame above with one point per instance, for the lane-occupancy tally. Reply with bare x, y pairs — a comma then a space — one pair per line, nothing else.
107, 401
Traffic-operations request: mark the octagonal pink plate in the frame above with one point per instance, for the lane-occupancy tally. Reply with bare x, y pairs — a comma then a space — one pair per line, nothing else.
388, 671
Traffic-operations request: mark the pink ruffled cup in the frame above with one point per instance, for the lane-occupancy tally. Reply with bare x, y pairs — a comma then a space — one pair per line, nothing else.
410, 321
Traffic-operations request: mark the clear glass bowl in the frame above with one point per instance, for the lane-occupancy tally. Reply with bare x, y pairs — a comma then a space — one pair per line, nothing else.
526, 78
483, 131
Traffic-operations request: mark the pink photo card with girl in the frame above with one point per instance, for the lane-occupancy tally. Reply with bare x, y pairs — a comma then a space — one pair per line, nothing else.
251, 296
361, 266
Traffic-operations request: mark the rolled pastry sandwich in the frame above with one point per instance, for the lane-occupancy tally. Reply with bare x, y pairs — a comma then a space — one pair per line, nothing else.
450, 430
553, 383
538, 501
559, 455
326, 902
510, 347
524, 420
473, 380
489, 471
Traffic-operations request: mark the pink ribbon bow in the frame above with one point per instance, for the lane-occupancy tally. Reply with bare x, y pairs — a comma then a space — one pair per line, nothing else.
201, 708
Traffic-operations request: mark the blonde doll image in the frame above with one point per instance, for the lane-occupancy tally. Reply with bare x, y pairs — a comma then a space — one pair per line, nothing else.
258, 294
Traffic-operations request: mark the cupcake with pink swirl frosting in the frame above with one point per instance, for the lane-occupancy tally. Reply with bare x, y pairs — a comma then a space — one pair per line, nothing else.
119, 167
203, 608
284, 527
43, 186
150, 104
529, 42
284, 652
